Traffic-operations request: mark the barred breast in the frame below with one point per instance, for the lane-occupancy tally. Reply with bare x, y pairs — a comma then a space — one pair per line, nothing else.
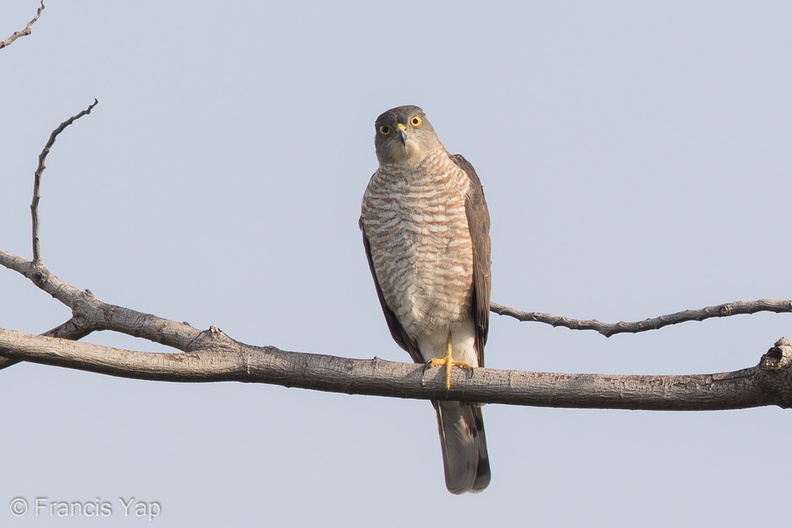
421, 248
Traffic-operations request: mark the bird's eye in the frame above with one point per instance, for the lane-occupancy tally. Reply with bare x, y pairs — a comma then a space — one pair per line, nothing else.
416, 121
384, 130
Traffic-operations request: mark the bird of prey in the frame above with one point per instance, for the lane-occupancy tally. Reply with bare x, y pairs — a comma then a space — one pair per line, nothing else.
426, 232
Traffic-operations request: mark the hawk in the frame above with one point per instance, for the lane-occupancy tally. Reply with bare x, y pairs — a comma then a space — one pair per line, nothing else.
426, 233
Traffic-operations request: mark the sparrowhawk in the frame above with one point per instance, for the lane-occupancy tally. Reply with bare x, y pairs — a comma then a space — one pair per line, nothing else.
426, 232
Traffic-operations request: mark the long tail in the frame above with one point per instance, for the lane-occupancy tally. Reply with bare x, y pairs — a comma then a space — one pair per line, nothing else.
464, 445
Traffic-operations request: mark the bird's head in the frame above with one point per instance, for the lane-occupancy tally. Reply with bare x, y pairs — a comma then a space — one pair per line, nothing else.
404, 135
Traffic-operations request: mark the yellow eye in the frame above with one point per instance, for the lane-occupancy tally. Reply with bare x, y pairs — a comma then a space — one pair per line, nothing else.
416, 121
384, 130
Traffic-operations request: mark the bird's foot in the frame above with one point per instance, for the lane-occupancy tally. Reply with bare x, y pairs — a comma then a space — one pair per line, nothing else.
449, 363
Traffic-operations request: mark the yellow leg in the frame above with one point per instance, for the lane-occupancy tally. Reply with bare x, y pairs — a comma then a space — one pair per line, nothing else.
449, 363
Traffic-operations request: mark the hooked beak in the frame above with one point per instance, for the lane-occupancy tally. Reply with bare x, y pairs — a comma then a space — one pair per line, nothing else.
402, 133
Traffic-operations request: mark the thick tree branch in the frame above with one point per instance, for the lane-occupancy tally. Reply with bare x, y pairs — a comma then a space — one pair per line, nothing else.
27, 31
72, 329
609, 329
215, 357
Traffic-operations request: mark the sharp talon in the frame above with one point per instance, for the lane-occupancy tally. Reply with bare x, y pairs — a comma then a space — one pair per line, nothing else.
449, 363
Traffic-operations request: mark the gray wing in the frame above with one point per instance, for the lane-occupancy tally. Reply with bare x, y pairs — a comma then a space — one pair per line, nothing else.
395, 327
479, 224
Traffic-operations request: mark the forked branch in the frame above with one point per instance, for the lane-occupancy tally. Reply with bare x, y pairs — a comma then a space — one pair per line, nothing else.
212, 356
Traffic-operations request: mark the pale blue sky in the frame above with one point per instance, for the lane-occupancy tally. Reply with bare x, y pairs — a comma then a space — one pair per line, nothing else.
636, 161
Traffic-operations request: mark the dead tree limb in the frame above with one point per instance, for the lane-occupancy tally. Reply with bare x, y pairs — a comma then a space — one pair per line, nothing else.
211, 356
655, 323
215, 357
71, 329
27, 31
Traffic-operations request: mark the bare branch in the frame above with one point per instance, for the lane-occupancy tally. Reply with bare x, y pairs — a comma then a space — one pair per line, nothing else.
215, 357
212, 356
37, 177
27, 31
72, 329
90, 314
609, 329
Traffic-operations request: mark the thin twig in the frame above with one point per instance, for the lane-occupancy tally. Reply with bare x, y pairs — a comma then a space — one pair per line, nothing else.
27, 31
37, 177
609, 329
